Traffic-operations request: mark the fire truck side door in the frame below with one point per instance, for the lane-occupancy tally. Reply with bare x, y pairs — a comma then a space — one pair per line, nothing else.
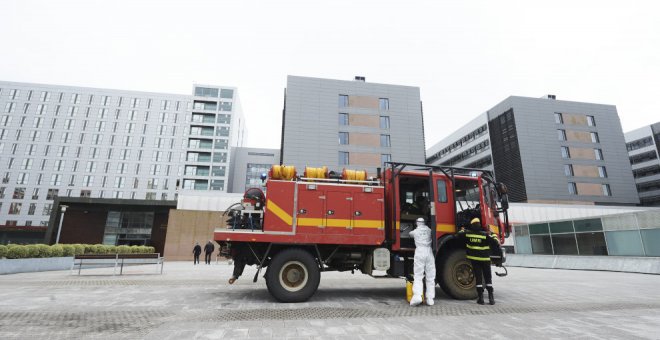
311, 210
338, 210
368, 214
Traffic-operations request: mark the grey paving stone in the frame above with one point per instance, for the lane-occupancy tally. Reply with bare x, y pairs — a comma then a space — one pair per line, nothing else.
196, 303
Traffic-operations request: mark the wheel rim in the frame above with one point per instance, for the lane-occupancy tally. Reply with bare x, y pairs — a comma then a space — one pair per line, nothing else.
293, 276
463, 275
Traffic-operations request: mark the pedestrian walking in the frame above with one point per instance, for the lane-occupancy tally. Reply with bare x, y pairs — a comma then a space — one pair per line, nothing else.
478, 244
196, 251
424, 263
208, 251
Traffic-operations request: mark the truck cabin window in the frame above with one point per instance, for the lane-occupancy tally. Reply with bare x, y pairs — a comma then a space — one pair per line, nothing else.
467, 201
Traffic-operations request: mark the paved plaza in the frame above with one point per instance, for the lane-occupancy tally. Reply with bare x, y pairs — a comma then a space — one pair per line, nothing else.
195, 302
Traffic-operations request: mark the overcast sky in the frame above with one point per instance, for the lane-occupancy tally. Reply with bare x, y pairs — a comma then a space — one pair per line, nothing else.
466, 56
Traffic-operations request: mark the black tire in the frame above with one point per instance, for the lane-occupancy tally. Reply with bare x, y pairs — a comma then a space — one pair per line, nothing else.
455, 275
293, 276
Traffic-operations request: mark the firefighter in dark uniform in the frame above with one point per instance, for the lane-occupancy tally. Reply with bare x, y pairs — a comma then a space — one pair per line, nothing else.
478, 245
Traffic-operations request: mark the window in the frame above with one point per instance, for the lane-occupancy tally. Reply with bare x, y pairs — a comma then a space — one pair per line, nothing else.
343, 119
217, 184
88, 181
565, 153
85, 193
343, 158
218, 171
135, 102
602, 172
385, 141
598, 153
561, 134
150, 196
343, 138
384, 122
32, 208
442, 191
22, 178
206, 92
220, 157
384, 104
35, 193
591, 121
227, 93
19, 193
594, 137
9, 107
26, 164
221, 144
606, 190
119, 182
568, 170
572, 188
343, 100
52, 193
225, 106
224, 119
56, 179
386, 157
15, 208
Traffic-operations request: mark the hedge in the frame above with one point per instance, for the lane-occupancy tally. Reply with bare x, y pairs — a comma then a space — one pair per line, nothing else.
15, 251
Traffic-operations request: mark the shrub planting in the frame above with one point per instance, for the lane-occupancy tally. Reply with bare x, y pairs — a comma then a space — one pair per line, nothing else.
15, 251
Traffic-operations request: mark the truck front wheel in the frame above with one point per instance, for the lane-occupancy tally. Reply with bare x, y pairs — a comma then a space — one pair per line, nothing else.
293, 276
456, 276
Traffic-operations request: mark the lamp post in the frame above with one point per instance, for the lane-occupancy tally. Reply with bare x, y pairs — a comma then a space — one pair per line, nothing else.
59, 229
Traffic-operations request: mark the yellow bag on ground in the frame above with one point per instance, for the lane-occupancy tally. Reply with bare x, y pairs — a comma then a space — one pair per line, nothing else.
409, 291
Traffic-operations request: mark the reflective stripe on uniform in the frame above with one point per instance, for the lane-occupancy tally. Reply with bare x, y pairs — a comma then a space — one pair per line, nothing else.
477, 247
475, 236
477, 258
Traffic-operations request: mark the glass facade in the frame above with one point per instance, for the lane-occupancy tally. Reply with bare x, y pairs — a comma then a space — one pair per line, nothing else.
630, 234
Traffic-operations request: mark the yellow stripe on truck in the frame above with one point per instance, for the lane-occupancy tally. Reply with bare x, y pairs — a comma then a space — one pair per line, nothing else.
315, 222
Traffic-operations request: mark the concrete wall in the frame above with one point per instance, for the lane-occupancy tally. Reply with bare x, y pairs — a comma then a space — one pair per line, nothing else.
186, 227
13, 266
647, 265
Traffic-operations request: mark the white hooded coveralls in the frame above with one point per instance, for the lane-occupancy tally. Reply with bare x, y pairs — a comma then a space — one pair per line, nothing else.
424, 262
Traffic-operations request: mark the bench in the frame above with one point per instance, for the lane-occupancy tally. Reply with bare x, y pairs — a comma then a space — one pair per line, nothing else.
116, 260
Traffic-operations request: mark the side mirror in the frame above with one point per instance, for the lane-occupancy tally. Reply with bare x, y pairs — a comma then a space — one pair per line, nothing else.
502, 189
504, 201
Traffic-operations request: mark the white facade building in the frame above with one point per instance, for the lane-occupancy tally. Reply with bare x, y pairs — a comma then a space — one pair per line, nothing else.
100, 143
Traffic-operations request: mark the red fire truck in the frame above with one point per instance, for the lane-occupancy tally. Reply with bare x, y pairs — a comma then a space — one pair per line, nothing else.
320, 221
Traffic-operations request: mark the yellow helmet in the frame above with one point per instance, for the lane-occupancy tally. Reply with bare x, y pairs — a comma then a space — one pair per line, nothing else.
475, 220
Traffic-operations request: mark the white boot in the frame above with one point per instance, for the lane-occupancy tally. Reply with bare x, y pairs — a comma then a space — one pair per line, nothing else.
430, 302
416, 300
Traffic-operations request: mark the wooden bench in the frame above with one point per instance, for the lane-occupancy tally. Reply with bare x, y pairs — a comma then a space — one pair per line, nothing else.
116, 260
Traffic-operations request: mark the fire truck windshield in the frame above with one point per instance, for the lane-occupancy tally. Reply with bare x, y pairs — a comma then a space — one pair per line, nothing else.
468, 193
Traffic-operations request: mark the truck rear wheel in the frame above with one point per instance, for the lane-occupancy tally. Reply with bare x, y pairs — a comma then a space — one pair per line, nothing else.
293, 276
456, 276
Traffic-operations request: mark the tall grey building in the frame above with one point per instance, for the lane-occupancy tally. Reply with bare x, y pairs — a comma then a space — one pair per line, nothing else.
644, 153
101, 143
546, 151
350, 124
247, 165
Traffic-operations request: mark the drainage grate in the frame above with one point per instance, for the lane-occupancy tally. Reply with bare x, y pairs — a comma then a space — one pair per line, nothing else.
407, 311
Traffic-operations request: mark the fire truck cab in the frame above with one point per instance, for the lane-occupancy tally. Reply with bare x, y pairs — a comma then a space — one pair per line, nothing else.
305, 225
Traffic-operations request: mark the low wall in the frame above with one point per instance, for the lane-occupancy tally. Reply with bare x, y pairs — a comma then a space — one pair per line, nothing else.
13, 266
646, 265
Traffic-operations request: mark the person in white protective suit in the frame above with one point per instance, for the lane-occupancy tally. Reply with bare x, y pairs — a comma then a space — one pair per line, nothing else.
424, 262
